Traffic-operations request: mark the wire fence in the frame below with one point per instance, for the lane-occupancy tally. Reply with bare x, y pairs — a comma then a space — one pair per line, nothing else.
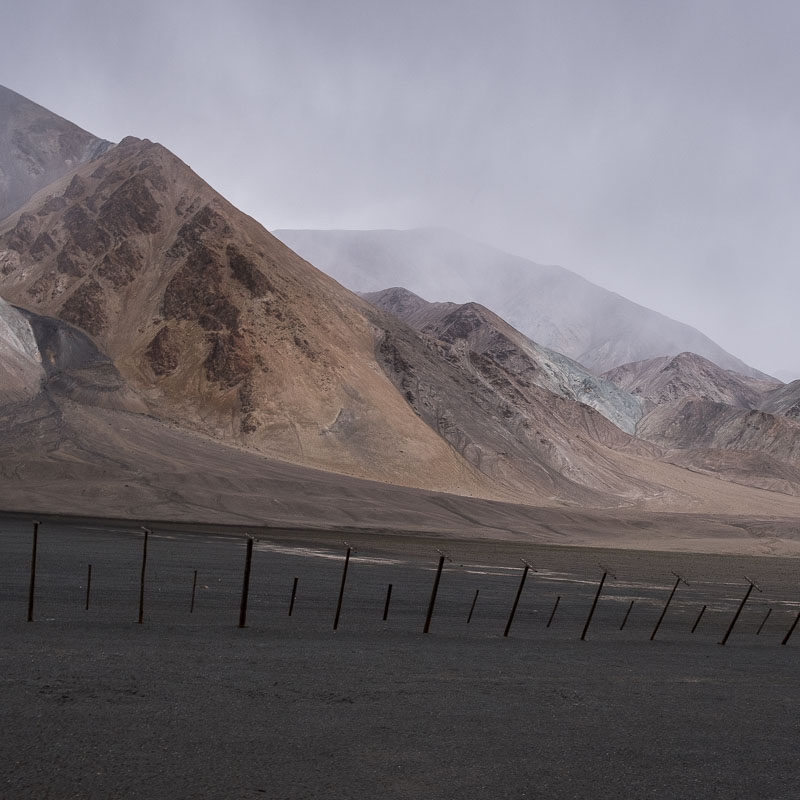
82, 574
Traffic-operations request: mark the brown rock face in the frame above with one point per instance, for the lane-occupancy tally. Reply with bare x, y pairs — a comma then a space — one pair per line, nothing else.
220, 326
163, 353
85, 308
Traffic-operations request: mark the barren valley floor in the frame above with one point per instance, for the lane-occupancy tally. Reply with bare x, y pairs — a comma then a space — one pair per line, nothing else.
189, 705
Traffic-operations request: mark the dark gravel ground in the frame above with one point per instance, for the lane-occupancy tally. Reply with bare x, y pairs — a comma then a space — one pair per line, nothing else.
185, 705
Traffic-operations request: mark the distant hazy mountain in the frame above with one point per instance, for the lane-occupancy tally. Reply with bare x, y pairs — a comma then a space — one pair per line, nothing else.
716, 421
750, 447
551, 305
36, 148
662, 380
783, 400
523, 361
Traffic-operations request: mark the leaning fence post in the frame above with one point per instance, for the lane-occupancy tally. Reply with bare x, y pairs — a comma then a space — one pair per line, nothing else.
341, 588
596, 598
194, 588
764, 621
435, 589
519, 594
32, 584
472, 607
553, 612
627, 614
88, 585
666, 606
739, 610
386, 604
791, 630
699, 617
141, 579
246, 583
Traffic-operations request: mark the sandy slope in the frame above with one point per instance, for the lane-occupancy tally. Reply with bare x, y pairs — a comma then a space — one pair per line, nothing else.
67, 458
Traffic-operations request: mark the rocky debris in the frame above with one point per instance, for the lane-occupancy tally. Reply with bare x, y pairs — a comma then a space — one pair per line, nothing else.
43, 246
24, 233
75, 190
230, 360
121, 265
248, 405
131, 207
85, 308
86, 231
247, 273
70, 262
206, 221
195, 293
164, 351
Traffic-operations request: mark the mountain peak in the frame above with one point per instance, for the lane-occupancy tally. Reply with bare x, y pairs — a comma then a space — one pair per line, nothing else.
664, 380
513, 359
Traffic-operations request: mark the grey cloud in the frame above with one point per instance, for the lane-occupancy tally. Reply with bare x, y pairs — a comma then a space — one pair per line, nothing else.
648, 146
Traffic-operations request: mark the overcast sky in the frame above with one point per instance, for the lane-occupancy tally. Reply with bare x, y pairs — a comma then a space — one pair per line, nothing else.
652, 147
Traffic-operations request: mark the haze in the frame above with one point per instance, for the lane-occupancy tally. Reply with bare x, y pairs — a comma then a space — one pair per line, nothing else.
649, 147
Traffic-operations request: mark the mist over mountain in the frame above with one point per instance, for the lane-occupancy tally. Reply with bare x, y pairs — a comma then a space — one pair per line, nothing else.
549, 304
36, 148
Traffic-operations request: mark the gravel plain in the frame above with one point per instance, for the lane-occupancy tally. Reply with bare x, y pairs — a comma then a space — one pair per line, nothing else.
188, 705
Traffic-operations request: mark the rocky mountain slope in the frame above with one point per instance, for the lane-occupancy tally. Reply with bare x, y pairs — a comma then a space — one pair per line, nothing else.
217, 324
36, 148
784, 400
220, 328
717, 421
170, 328
217, 327
662, 380
749, 447
21, 370
476, 330
548, 304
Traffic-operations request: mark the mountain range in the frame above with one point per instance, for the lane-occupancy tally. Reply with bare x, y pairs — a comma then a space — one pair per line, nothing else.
161, 350
550, 305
